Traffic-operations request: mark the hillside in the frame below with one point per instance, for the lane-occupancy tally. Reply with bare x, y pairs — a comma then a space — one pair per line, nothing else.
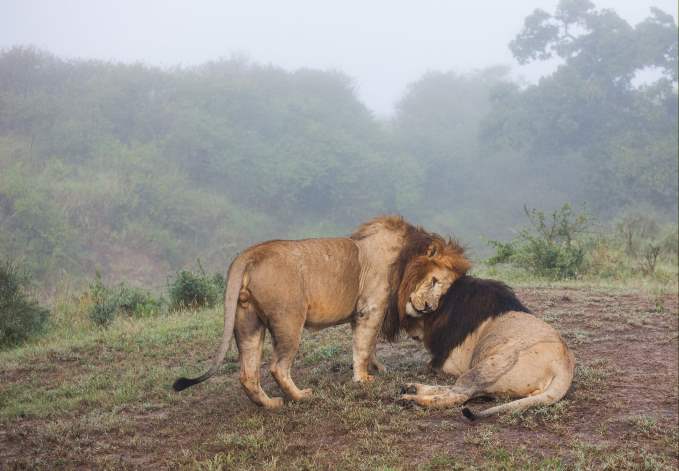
137, 171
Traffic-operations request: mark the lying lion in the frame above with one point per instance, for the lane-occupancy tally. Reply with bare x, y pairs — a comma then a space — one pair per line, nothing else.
369, 279
485, 336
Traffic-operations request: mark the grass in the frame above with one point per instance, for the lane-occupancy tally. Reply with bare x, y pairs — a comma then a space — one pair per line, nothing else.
593, 375
665, 281
542, 416
83, 396
645, 425
131, 364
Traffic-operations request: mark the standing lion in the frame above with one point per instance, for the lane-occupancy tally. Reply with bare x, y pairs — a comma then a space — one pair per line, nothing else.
387, 267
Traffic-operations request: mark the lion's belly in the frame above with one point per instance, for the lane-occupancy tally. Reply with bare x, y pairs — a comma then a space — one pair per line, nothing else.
331, 289
320, 320
331, 303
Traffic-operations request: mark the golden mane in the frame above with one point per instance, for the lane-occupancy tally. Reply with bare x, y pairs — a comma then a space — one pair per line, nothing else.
391, 223
421, 251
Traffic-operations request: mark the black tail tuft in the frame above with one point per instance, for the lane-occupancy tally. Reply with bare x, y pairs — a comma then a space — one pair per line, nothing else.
469, 414
183, 383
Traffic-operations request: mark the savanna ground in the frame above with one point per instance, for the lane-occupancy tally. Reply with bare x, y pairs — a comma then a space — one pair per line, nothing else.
89, 398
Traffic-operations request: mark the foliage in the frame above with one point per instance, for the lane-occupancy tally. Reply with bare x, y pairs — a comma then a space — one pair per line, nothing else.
101, 163
20, 316
196, 290
139, 170
565, 245
549, 247
590, 114
635, 228
108, 303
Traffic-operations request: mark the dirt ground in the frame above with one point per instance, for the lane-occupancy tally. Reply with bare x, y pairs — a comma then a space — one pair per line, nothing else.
621, 413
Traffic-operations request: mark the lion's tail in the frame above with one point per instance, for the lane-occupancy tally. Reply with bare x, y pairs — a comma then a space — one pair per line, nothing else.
233, 286
556, 389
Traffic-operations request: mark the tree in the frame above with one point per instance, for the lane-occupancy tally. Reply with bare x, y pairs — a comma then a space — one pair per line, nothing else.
590, 109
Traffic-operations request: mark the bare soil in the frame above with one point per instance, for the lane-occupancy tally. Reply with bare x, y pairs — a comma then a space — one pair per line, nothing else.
621, 413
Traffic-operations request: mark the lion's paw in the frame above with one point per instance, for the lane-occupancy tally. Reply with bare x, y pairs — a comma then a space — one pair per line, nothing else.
407, 401
305, 394
409, 388
364, 379
378, 366
274, 403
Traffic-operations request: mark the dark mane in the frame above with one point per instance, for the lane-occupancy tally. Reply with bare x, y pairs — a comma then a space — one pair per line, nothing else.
466, 305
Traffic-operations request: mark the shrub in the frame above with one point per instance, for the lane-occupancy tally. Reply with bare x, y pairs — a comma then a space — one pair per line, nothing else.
108, 303
20, 317
196, 290
549, 247
562, 246
136, 302
103, 311
644, 240
635, 227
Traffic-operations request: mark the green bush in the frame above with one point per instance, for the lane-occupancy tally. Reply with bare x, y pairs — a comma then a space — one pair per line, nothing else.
136, 302
108, 303
103, 311
20, 317
550, 247
195, 290
561, 245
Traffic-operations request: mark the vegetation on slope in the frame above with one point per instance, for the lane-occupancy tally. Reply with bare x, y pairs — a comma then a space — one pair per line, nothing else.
137, 171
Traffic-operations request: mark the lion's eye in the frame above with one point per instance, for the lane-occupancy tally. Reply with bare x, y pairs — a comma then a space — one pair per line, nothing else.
434, 280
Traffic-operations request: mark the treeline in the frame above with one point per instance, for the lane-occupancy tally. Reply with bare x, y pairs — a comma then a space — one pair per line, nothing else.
137, 171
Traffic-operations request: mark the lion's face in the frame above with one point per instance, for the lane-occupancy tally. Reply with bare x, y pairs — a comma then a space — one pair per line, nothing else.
427, 278
425, 298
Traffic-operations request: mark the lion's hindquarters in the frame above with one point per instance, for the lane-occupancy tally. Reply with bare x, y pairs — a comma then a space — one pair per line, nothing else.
555, 391
542, 371
293, 284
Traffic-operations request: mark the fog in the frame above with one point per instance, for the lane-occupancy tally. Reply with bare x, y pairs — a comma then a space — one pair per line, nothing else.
138, 137
382, 45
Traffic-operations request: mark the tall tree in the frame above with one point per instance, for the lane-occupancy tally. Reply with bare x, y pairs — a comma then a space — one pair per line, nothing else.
590, 108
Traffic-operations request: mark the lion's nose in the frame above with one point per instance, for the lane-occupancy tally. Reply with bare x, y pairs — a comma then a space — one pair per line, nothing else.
427, 307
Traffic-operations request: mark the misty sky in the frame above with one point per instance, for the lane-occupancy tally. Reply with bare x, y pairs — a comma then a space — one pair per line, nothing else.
383, 45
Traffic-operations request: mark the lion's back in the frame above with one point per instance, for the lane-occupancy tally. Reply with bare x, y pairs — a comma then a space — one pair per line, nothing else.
320, 275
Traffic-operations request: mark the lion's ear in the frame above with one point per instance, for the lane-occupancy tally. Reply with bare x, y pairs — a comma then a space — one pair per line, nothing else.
431, 251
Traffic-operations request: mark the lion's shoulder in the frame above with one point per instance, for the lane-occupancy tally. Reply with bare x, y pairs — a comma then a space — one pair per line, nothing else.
464, 308
392, 223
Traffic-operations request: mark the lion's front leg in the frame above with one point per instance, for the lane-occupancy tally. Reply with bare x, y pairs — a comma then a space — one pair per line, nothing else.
423, 389
435, 396
366, 326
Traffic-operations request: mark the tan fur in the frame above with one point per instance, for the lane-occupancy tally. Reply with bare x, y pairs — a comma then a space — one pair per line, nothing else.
512, 355
284, 286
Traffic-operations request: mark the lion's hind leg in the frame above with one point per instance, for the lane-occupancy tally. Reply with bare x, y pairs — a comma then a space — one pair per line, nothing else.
250, 332
286, 339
